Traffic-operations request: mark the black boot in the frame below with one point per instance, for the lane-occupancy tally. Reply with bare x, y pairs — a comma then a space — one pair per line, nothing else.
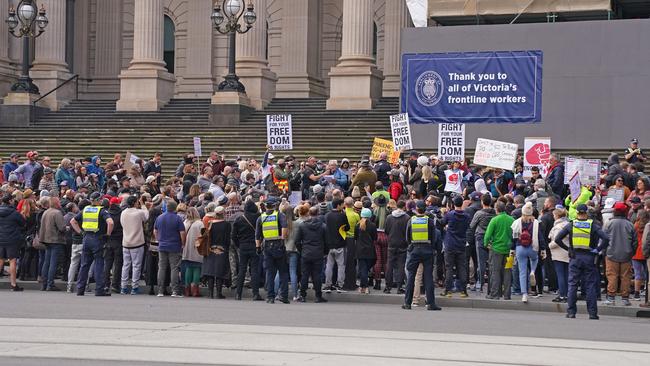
377, 285
211, 286
220, 289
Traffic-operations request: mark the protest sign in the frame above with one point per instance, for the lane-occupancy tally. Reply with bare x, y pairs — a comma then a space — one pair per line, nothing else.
496, 154
399, 125
279, 132
451, 142
618, 194
478, 87
589, 170
130, 160
537, 152
197, 146
382, 145
575, 186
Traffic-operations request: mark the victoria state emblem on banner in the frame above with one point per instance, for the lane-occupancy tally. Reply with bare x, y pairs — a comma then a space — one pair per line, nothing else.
428, 88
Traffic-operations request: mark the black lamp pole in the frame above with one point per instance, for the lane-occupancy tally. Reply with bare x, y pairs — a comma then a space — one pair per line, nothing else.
231, 11
24, 22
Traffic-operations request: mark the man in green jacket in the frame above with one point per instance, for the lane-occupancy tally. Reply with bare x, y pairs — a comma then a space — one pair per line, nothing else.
497, 239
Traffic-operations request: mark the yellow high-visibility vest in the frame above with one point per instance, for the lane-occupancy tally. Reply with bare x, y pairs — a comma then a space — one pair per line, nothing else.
271, 226
90, 219
420, 229
581, 233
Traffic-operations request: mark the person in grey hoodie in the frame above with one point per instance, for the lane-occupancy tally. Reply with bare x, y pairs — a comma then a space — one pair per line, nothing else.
477, 227
623, 241
395, 229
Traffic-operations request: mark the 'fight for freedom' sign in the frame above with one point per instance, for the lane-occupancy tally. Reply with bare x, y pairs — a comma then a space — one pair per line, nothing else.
399, 125
279, 133
451, 141
466, 87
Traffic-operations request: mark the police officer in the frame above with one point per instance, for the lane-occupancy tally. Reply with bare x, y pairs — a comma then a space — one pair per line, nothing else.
424, 240
584, 235
97, 225
271, 230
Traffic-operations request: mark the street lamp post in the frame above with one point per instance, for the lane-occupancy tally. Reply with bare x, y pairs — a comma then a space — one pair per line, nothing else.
24, 22
231, 11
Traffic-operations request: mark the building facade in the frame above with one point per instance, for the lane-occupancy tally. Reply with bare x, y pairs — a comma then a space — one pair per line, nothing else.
144, 52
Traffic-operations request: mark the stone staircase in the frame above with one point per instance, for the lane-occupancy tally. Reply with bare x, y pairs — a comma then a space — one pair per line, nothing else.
85, 128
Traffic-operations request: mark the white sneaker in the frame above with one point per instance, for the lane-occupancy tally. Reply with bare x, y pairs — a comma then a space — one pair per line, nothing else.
533, 281
177, 295
295, 298
524, 298
160, 294
327, 289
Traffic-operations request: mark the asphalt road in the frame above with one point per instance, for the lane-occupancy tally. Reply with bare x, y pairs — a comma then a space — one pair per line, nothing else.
36, 325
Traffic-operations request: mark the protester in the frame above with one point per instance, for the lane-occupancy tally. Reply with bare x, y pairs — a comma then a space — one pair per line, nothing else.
11, 237
171, 234
456, 222
623, 241
132, 220
52, 235
365, 234
560, 255
310, 240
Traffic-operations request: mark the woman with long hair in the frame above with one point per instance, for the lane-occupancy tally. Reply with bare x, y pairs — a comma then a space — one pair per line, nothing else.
81, 176
293, 256
560, 256
192, 260
216, 265
527, 241
639, 260
135, 173
28, 211
641, 190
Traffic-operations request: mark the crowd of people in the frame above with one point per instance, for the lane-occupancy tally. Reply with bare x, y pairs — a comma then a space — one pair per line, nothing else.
284, 224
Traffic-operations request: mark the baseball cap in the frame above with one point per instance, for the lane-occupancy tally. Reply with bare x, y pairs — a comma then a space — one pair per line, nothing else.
124, 178
634, 141
95, 196
635, 199
271, 156
115, 201
475, 196
14, 155
48, 171
620, 207
271, 200
582, 208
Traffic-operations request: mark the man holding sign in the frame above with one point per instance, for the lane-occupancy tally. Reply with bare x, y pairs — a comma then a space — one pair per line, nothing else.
279, 132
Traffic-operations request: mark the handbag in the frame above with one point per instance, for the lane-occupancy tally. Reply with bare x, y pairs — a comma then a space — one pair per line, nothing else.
36, 242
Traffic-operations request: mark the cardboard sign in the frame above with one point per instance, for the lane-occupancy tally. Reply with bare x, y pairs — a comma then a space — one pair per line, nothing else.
575, 186
537, 152
401, 129
589, 170
451, 141
496, 154
130, 160
279, 132
197, 146
618, 194
381, 145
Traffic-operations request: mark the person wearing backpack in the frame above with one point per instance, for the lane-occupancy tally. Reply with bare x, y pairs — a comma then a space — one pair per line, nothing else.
527, 241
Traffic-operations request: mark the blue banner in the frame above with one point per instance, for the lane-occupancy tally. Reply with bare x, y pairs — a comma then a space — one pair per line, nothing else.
466, 87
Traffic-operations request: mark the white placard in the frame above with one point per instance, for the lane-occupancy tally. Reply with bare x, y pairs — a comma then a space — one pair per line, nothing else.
496, 154
401, 129
589, 170
279, 133
451, 141
197, 147
575, 187
537, 152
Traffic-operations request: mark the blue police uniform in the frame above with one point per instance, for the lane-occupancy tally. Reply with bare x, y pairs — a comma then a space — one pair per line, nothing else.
584, 238
93, 251
424, 240
269, 230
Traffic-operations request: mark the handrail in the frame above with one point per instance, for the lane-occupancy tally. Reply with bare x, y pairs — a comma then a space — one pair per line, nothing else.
76, 76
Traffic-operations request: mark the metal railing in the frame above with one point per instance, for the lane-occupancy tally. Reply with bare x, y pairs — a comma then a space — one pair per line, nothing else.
74, 77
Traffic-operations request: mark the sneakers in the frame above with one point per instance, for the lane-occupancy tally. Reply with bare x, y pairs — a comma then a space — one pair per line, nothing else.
296, 298
176, 295
446, 294
609, 301
135, 291
524, 298
300, 299
463, 295
160, 294
387, 290
433, 308
533, 281
401, 291
406, 307
69, 289
637, 297
594, 317
626, 302
124, 291
327, 289
340, 290
571, 316
16, 288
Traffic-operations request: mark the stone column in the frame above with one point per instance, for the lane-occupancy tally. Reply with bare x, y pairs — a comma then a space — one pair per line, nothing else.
299, 76
108, 47
7, 72
396, 18
146, 85
50, 68
355, 83
252, 64
197, 81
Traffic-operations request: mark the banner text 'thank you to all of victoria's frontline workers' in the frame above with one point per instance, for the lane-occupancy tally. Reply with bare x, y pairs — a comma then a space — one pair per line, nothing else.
466, 84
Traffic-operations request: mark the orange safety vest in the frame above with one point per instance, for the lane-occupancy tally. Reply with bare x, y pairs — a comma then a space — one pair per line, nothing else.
282, 184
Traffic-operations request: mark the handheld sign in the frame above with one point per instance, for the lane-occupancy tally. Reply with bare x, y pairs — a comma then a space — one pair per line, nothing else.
130, 160
401, 129
279, 132
589, 170
197, 146
496, 154
537, 152
381, 145
451, 141
575, 186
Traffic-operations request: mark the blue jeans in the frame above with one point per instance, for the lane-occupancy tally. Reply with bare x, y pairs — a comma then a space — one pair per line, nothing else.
364, 267
562, 271
52, 254
523, 254
293, 273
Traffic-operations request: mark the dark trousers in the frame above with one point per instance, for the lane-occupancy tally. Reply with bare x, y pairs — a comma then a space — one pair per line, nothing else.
395, 267
93, 251
273, 265
420, 254
470, 253
113, 263
364, 267
311, 268
350, 282
583, 269
248, 259
459, 261
498, 275
151, 265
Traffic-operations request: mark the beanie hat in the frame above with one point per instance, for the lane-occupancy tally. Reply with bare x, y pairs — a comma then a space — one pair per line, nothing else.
366, 213
527, 209
250, 207
540, 184
423, 160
